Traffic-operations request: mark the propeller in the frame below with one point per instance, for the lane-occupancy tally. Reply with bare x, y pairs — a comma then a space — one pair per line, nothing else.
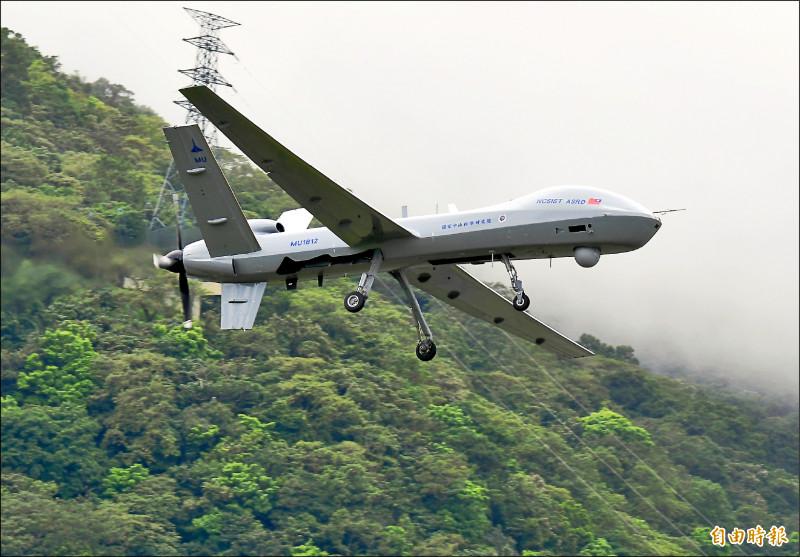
173, 262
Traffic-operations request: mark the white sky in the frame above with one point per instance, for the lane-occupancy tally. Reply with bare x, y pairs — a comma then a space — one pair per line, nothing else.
676, 105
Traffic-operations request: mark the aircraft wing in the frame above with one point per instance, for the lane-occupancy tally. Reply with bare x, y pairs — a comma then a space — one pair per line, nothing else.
455, 286
343, 213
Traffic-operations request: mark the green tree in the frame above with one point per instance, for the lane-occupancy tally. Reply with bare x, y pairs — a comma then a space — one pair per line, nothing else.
607, 422
623, 353
701, 536
52, 444
598, 547
27, 290
308, 549
45, 225
17, 56
395, 540
111, 94
230, 531
245, 484
34, 523
141, 400
54, 98
470, 510
179, 342
123, 480
62, 370
21, 167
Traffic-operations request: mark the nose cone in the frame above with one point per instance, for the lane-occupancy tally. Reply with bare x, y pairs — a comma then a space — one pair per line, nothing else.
650, 225
172, 262
646, 222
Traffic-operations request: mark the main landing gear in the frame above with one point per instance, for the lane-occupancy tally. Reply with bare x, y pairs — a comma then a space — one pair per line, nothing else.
521, 301
354, 301
426, 349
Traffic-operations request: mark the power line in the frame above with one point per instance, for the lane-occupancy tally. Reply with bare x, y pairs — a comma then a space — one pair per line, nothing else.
539, 439
560, 421
612, 435
328, 156
555, 454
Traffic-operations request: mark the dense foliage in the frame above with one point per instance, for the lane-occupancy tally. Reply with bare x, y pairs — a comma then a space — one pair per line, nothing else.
318, 432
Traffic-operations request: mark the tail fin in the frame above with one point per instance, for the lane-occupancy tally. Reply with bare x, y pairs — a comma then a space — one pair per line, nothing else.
219, 216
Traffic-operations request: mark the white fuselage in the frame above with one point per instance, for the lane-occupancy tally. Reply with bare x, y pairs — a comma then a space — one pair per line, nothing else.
548, 223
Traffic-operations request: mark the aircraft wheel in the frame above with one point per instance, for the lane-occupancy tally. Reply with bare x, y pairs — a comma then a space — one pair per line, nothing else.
354, 301
426, 350
521, 305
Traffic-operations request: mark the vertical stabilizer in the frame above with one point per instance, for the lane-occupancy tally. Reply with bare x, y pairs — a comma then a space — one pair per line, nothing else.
219, 216
240, 304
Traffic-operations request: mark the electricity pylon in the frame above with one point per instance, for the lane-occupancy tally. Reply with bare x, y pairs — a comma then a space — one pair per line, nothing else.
209, 47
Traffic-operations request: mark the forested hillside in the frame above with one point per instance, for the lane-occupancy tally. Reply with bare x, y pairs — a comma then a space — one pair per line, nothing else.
318, 432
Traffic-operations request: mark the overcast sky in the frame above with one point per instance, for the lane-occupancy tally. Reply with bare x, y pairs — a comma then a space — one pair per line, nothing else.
676, 105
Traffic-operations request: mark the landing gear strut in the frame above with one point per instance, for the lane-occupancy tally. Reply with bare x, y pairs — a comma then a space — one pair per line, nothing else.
354, 301
426, 349
521, 301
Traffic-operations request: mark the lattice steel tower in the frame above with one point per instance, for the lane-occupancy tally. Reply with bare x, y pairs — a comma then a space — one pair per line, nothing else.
209, 47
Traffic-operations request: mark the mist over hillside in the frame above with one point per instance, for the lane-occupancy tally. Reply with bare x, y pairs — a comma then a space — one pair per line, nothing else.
319, 432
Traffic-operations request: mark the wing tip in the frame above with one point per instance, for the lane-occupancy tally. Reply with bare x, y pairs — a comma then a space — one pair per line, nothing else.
193, 88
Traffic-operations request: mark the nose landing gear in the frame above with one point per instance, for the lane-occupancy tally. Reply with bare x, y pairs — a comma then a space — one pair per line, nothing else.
521, 301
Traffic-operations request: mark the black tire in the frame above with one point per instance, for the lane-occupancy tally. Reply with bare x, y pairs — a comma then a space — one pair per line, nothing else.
426, 350
354, 301
521, 305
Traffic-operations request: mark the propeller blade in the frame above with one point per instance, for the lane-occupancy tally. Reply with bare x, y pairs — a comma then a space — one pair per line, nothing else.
177, 219
183, 285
